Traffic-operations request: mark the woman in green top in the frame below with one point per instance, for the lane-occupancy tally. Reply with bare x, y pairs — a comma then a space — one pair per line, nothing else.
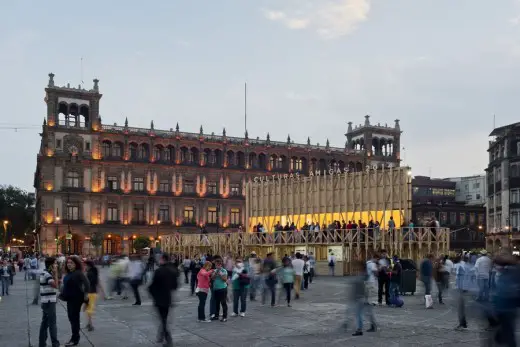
287, 274
219, 278
240, 281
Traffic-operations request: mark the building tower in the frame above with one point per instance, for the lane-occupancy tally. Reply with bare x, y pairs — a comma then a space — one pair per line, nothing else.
381, 143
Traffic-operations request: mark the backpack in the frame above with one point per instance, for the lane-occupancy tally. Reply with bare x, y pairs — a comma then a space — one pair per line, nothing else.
331, 263
244, 280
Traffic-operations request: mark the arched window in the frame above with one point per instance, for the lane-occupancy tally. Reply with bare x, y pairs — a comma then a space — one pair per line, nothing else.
166, 154
133, 151
143, 151
273, 161
73, 179
117, 150
107, 150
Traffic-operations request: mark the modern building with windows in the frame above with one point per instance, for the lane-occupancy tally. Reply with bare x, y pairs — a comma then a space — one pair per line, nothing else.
471, 190
503, 187
126, 182
436, 198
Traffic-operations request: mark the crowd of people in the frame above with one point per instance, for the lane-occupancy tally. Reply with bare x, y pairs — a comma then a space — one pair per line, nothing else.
492, 284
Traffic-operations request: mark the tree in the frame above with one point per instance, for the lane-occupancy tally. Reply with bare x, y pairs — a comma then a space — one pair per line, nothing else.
141, 242
96, 240
17, 207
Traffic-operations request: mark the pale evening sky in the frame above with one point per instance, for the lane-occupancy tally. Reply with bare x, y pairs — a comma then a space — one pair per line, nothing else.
442, 67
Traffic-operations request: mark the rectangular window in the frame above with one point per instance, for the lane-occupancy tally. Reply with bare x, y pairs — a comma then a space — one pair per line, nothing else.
58, 143
112, 183
476, 185
164, 213
472, 218
87, 146
235, 189
498, 177
419, 217
73, 179
515, 196
498, 199
212, 215
481, 219
462, 216
164, 186
138, 184
138, 213
453, 217
72, 212
112, 213
189, 214
443, 218
212, 188
189, 187
235, 216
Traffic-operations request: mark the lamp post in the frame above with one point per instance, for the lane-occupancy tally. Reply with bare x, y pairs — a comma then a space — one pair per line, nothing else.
57, 235
157, 232
5, 224
218, 214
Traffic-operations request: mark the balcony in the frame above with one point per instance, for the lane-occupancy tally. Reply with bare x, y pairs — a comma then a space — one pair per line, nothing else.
160, 193
110, 190
112, 222
138, 222
113, 158
73, 221
189, 223
73, 189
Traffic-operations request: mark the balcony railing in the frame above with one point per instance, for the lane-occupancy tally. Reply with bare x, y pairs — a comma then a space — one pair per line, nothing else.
73, 221
72, 189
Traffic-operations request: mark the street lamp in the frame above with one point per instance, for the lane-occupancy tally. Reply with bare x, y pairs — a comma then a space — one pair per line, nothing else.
5, 224
157, 232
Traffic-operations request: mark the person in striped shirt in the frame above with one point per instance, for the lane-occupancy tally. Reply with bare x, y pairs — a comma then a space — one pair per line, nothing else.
49, 285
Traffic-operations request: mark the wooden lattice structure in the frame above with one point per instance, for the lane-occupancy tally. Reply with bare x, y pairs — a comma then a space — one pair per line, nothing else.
348, 245
373, 194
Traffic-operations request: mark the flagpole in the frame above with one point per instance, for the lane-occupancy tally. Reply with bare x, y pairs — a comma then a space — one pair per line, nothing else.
245, 107
81, 71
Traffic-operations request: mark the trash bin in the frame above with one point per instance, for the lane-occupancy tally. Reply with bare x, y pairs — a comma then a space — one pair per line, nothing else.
408, 277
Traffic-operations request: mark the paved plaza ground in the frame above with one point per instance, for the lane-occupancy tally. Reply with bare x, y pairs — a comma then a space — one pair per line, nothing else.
315, 319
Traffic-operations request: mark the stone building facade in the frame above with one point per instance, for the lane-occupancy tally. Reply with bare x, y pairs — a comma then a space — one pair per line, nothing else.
503, 187
126, 182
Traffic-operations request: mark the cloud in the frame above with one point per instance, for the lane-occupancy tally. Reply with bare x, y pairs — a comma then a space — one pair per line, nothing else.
329, 19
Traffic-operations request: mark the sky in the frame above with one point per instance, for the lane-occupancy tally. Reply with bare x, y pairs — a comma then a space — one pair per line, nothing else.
443, 67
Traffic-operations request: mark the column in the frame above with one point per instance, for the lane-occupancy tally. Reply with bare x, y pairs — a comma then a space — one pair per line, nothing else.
102, 183
103, 211
122, 184
197, 186
174, 183
130, 211
180, 184
86, 211
172, 211
221, 186
87, 178
227, 185
121, 211
148, 181
147, 210
155, 182
129, 181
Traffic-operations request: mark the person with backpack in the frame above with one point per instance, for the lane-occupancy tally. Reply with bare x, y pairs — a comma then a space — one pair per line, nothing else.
164, 282
240, 282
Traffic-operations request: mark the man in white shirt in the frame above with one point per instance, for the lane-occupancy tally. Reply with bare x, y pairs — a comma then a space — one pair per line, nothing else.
371, 283
482, 271
297, 265
332, 263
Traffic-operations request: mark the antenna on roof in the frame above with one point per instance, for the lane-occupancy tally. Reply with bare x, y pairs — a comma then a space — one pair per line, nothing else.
494, 121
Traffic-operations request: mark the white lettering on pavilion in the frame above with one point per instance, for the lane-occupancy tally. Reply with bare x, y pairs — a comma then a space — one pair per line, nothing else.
297, 176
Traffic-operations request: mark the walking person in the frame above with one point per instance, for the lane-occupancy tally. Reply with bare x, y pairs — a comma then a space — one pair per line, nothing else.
483, 267
360, 297
287, 274
164, 282
383, 279
12, 265
306, 272
240, 282
5, 277
75, 289
195, 267
49, 284
135, 275
395, 280
426, 279
465, 287
219, 277
439, 276
332, 263
186, 267
269, 279
93, 278
202, 291
298, 265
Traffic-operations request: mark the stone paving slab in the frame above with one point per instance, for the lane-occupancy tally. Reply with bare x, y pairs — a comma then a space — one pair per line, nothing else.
316, 319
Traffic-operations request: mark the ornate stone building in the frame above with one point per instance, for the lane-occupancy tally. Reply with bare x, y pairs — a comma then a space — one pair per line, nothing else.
126, 182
